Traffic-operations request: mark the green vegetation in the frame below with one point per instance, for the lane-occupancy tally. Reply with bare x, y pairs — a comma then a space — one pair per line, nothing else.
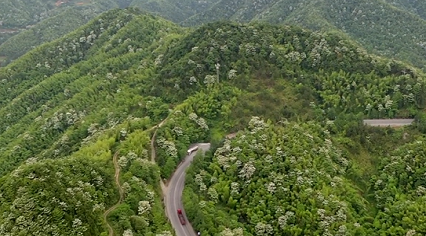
416, 7
379, 26
176, 11
45, 31
388, 33
302, 179
28, 24
70, 107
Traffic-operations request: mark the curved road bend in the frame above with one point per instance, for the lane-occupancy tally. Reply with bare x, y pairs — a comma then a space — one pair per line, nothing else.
173, 199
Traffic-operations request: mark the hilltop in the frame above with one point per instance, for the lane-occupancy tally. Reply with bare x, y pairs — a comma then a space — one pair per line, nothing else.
397, 31
69, 106
379, 26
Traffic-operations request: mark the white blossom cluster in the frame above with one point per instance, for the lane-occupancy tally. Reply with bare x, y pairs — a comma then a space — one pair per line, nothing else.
178, 130
199, 182
249, 49
126, 188
60, 120
232, 74
271, 187
159, 60
128, 232
210, 79
235, 188
144, 207
26, 214
327, 219
165, 233
199, 120
321, 49
263, 229
124, 160
234, 232
256, 124
214, 196
93, 128
193, 80
421, 191
282, 220
168, 146
295, 56
247, 171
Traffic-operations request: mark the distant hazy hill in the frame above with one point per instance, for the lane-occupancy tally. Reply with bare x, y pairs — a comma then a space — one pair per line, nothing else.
397, 30
176, 11
27, 24
45, 31
394, 28
415, 6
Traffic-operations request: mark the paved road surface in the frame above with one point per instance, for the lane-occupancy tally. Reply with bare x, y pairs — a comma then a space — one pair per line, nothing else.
173, 199
389, 122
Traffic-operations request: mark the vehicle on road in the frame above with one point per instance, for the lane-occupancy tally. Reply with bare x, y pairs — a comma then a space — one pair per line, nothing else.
181, 217
191, 150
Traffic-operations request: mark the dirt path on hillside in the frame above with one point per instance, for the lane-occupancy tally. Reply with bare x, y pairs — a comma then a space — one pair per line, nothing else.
120, 190
117, 176
153, 152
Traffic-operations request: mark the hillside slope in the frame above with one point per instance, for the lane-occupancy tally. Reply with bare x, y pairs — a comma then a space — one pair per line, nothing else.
102, 89
27, 24
67, 114
295, 179
417, 7
45, 31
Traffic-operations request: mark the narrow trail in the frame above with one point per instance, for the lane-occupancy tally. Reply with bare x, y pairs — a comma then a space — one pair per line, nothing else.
120, 190
153, 154
117, 177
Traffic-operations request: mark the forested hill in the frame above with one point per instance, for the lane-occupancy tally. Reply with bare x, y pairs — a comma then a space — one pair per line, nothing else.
393, 28
71, 106
25, 24
177, 10
396, 31
417, 7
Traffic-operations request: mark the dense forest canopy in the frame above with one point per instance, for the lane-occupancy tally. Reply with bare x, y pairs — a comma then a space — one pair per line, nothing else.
78, 117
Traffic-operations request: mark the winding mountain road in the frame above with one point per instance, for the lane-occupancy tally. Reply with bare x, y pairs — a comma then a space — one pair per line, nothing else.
173, 193
173, 199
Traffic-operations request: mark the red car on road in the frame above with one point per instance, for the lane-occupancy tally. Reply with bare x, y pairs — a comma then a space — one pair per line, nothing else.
181, 217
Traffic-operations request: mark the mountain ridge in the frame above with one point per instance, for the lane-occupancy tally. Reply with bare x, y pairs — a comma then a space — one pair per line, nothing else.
68, 105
